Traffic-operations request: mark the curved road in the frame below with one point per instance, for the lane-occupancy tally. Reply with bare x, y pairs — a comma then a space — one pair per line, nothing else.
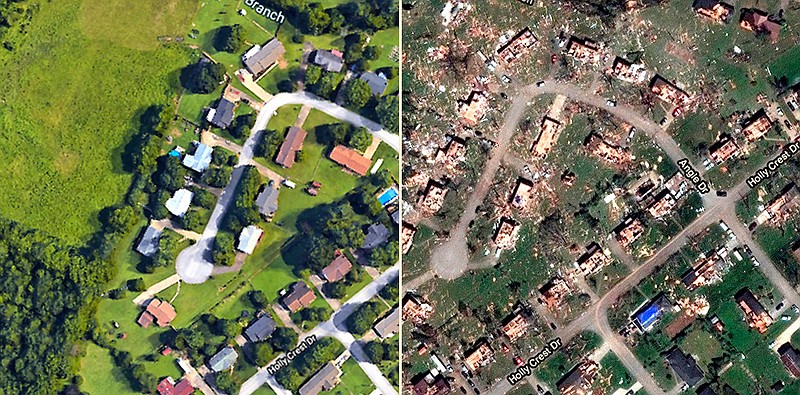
194, 264
335, 327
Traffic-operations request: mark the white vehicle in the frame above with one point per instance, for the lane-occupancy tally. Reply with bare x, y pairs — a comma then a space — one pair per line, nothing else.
540, 83
506, 79
289, 184
611, 103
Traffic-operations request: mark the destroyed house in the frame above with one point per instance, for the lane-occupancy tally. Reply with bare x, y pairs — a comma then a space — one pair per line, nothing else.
756, 126
611, 153
754, 313
522, 193
578, 381
714, 10
783, 205
505, 237
415, 309
480, 356
628, 231
722, 150
662, 204
473, 108
453, 152
708, 270
593, 260
584, 50
433, 196
554, 291
428, 384
515, 326
517, 45
547, 137
626, 71
407, 232
669, 92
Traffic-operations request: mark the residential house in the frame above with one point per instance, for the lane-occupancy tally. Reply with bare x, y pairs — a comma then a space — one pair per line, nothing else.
516, 46
578, 381
351, 160
452, 154
628, 231
430, 384
267, 200
480, 356
223, 360
148, 244
663, 204
328, 60
415, 309
515, 326
299, 297
783, 206
168, 386
593, 260
377, 235
324, 379
180, 201
249, 238
754, 313
790, 359
505, 237
722, 150
473, 108
551, 129
293, 143
261, 329
260, 59
337, 269
684, 367
626, 71
708, 270
377, 82
222, 116
756, 126
715, 10
584, 50
200, 159
651, 312
433, 197
669, 92
157, 311
388, 325
554, 291
407, 232
522, 193
611, 153
760, 23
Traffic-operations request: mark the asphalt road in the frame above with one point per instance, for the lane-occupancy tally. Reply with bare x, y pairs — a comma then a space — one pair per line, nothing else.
194, 263
335, 327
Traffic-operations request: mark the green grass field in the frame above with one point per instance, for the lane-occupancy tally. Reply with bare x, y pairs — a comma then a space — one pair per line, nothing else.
100, 374
354, 381
69, 107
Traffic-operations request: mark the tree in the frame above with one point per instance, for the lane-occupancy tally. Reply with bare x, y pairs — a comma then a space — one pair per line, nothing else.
224, 249
204, 77
204, 198
337, 290
357, 93
225, 383
156, 206
359, 138
315, 20
385, 255
374, 351
328, 85
316, 314
170, 173
267, 146
258, 299
313, 74
263, 353
122, 219
230, 38
283, 339
372, 52
388, 110
193, 220
332, 134
217, 177
242, 124
363, 317
227, 328
136, 284
391, 291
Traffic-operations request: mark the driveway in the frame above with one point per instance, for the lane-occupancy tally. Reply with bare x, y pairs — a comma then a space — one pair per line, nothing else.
194, 264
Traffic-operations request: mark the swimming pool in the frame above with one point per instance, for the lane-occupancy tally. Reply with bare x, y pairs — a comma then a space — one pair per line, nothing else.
387, 196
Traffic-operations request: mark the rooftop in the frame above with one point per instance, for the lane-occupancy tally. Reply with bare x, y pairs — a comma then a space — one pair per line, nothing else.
261, 59
351, 160
293, 143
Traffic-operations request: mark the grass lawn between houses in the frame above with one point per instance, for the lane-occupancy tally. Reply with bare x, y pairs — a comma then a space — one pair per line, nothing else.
354, 381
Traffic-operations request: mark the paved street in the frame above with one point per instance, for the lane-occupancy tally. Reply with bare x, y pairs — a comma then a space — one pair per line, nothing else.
194, 263
335, 327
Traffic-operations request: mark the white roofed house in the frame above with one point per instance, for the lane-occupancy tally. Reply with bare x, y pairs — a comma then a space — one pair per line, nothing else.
180, 201
148, 245
200, 159
249, 238
328, 60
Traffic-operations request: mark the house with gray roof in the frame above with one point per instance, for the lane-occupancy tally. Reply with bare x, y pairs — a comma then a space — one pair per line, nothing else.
377, 234
328, 60
377, 82
387, 326
267, 200
324, 380
223, 360
222, 116
148, 245
200, 159
262, 59
261, 329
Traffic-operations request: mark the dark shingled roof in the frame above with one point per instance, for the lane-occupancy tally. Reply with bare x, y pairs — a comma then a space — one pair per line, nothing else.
224, 114
684, 366
261, 329
376, 83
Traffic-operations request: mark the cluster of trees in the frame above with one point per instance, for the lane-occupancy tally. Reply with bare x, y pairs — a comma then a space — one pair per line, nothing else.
363, 317
336, 228
340, 133
388, 112
15, 13
268, 145
204, 338
46, 290
244, 211
378, 351
385, 255
139, 378
308, 362
315, 314
357, 93
313, 18
391, 291
322, 83
230, 38
217, 177
223, 252
168, 249
241, 126
223, 157
203, 76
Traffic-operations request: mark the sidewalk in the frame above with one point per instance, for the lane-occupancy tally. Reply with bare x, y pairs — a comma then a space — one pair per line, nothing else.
156, 288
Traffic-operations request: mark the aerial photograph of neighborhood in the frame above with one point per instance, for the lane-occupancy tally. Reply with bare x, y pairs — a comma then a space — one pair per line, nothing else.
200, 197
600, 197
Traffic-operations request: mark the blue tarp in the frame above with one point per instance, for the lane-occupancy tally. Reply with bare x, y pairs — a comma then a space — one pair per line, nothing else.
649, 316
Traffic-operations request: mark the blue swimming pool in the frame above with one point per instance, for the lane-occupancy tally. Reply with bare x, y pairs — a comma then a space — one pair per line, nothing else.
388, 196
